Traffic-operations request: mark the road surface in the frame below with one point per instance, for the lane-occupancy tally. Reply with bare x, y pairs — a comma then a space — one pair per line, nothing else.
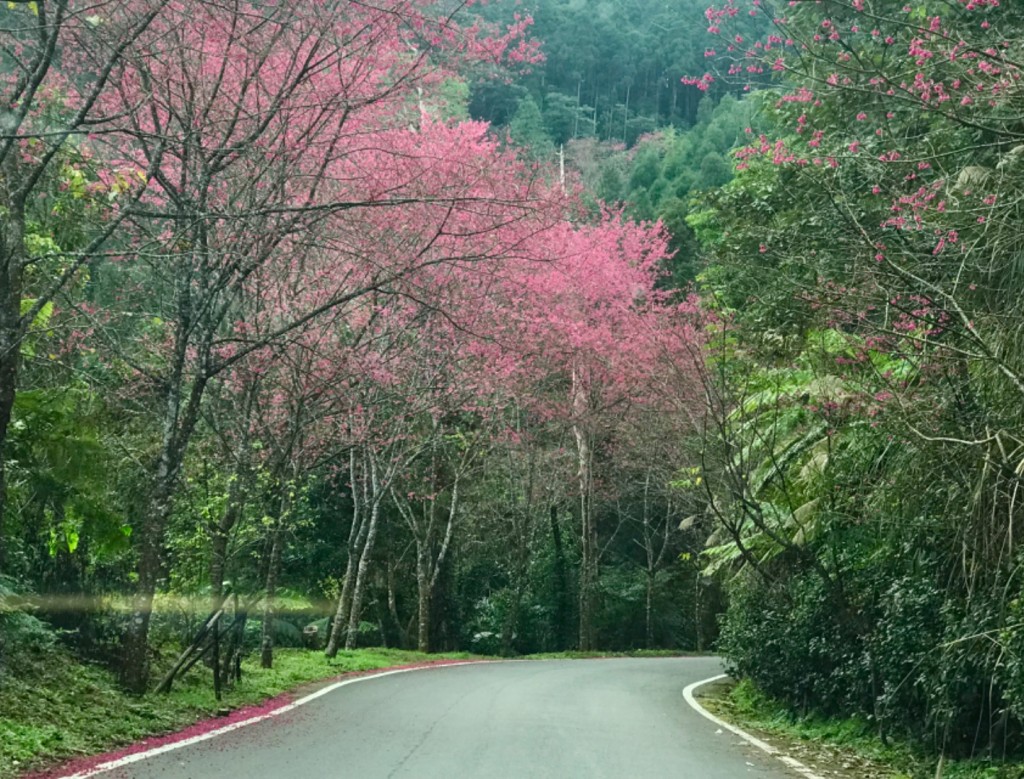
563, 719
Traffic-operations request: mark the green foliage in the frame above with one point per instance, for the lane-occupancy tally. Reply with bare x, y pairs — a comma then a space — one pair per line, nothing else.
527, 130
863, 462
617, 66
846, 740
59, 476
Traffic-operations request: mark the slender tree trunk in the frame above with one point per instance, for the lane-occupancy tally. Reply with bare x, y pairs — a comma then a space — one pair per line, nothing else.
267, 637
403, 635
648, 603
561, 585
373, 498
423, 592
273, 570
215, 660
428, 566
361, 575
149, 534
220, 535
8, 382
12, 247
698, 625
654, 558
181, 415
511, 623
135, 668
588, 538
576, 115
625, 115
356, 538
343, 609
588, 575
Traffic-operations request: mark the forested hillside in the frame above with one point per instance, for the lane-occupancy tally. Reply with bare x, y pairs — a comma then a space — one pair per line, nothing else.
517, 328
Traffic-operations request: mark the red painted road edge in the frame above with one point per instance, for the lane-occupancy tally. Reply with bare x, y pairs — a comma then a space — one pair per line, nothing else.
80, 764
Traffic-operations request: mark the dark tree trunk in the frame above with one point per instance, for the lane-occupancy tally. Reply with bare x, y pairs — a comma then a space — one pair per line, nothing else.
403, 633
562, 625
648, 607
12, 246
508, 630
215, 657
135, 668
267, 634
180, 419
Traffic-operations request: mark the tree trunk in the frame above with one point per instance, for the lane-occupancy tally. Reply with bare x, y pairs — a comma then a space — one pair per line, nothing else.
562, 625
180, 420
267, 636
135, 667
403, 634
219, 537
428, 566
423, 592
221, 533
341, 613
361, 574
588, 578
215, 660
356, 539
511, 624
12, 246
648, 602
273, 567
588, 537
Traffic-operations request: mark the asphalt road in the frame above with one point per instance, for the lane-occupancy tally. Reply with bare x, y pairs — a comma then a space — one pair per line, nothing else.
564, 719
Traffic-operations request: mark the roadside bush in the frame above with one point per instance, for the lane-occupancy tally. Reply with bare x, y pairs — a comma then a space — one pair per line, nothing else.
20, 632
788, 637
910, 658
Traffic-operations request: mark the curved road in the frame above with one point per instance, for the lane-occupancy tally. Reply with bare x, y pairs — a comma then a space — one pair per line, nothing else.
564, 719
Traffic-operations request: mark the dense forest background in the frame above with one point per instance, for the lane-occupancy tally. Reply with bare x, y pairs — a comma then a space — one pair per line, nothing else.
313, 434
637, 325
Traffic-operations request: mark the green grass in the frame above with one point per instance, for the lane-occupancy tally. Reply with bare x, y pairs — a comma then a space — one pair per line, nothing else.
744, 705
54, 707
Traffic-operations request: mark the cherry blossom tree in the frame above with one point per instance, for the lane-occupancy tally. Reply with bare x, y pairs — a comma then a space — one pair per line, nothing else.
261, 127
594, 317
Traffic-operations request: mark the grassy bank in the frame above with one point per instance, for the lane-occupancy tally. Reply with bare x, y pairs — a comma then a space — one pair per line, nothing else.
54, 708
851, 747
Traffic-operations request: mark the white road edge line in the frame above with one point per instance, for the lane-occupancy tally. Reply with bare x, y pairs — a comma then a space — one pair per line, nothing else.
792, 763
136, 757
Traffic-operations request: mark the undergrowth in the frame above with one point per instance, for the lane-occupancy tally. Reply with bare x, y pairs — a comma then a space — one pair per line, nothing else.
745, 705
